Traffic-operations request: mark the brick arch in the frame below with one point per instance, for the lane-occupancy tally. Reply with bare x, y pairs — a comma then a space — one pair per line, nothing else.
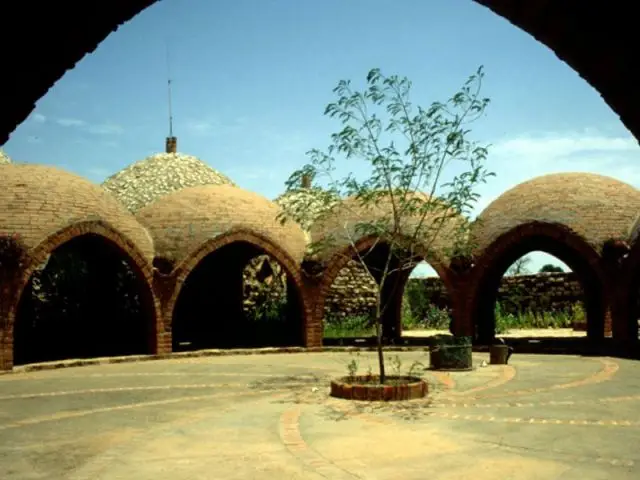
292, 268
552, 238
106, 233
340, 260
632, 289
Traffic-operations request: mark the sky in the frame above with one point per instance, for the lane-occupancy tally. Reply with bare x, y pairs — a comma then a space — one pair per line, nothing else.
251, 78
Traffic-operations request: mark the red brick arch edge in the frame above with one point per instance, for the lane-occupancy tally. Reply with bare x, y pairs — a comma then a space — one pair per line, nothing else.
340, 259
559, 233
108, 233
631, 282
290, 266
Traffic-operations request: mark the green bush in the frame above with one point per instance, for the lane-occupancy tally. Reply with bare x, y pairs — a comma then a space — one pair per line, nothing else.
526, 320
356, 326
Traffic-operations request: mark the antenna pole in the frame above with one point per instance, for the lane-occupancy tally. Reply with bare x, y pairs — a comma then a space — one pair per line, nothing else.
171, 144
169, 92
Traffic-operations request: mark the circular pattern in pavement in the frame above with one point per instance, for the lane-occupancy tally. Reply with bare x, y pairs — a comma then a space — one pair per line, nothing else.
270, 416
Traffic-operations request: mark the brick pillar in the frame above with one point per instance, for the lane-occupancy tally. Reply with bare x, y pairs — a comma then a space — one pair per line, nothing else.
618, 315
8, 301
462, 306
313, 304
163, 288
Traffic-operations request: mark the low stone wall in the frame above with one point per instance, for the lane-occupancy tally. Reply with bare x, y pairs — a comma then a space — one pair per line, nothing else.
354, 293
538, 293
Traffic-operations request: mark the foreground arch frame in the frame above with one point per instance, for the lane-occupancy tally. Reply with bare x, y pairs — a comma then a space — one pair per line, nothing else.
571, 29
170, 286
38, 255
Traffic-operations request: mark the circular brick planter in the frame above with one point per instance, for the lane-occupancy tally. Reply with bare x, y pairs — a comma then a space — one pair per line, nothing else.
364, 388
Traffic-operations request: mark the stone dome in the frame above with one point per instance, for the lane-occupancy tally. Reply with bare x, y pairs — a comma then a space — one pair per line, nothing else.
182, 221
36, 201
595, 207
304, 205
4, 158
143, 182
350, 212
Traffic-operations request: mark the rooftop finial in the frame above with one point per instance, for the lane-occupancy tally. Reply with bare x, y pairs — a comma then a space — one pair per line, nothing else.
306, 181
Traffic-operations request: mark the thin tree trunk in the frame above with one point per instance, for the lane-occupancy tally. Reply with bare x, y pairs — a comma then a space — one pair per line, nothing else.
383, 376
379, 341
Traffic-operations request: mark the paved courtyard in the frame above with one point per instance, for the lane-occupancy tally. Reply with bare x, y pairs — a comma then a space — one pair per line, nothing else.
270, 417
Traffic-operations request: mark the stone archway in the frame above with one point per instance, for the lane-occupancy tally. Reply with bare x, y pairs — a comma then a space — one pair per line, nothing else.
107, 251
213, 277
393, 290
553, 239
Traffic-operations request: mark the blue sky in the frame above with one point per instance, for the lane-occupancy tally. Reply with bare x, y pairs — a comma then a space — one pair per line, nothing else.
251, 79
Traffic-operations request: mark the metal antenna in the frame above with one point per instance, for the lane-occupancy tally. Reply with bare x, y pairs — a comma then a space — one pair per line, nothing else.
169, 92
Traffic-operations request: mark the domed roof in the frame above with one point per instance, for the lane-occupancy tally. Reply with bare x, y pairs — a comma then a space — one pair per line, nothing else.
143, 182
593, 206
340, 226
303, 205
36, 201
634, 234
4, 158
182, 221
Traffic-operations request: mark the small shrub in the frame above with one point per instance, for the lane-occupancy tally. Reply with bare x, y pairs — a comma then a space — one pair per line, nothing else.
341, 327
437, 318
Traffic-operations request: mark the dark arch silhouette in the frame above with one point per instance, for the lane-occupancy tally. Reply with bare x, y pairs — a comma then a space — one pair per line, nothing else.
571, 28
101, 302
206, 308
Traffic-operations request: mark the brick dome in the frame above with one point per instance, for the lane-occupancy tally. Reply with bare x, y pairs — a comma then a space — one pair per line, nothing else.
634, 234
37, 201
351, 211
4, 158
143, 182
595, 207
182, 221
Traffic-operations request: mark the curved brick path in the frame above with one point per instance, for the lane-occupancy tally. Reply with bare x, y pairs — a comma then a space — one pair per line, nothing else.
269, 416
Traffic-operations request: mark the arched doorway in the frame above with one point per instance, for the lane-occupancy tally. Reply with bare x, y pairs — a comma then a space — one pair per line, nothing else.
540, 296
88, 299
426, 303
350, 302
500, 258
211, 310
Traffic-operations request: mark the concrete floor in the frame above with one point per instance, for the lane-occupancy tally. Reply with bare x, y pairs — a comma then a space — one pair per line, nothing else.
270, 417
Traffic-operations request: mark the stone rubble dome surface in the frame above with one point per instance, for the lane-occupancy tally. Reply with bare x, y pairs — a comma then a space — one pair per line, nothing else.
4, 158
147, 180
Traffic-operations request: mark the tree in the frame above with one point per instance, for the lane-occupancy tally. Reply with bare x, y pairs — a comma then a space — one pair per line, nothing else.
519, 267
405, 204
550, 268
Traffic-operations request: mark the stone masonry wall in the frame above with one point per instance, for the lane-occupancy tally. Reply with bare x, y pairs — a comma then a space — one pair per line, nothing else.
354, 294
539, 292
